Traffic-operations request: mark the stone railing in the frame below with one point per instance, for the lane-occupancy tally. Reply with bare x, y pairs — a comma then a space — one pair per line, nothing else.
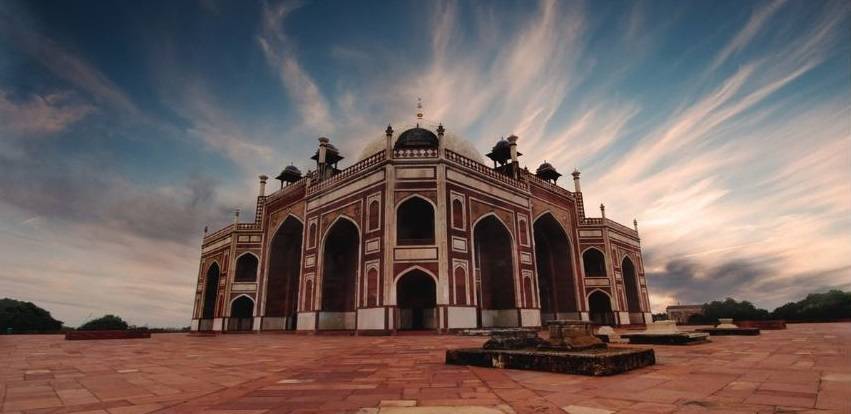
287, 189
484, 170
367, 163
546, 184
609, 223
415, 153
219, 232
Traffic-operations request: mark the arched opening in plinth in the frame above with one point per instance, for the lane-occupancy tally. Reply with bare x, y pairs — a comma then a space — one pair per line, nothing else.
339, 267
416, 298
556, 278
284, 270
633, 297
494, 255
241, 314
600, 308
211, 292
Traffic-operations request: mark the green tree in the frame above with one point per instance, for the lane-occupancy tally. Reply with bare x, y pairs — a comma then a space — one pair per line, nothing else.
17, 316
104, 323
829, 306
731, 308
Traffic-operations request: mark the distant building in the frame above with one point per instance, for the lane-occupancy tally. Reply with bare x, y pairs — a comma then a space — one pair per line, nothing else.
682, 313
419, 233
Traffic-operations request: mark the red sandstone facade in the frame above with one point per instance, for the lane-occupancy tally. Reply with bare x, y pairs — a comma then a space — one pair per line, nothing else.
419, 234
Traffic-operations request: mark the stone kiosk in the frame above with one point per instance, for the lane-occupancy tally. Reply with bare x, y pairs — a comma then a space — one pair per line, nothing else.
571, 348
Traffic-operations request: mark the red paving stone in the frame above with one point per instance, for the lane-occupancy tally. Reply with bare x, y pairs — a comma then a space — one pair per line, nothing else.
806, 368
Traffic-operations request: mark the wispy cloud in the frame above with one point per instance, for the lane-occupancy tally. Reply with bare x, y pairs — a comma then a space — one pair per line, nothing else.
280, 55
37, 116
63, 63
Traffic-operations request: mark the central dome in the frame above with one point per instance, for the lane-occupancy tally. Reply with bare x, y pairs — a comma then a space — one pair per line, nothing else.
423, 132
416, 138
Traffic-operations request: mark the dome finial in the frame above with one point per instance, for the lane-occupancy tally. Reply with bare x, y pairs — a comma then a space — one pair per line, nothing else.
419, 108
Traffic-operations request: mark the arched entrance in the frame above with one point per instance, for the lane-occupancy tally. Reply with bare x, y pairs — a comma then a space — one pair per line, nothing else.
241, 314
633, 298
556, 279
416, 298
600, 307
339, 275
211, 293
284, 269
246, 268
495, 270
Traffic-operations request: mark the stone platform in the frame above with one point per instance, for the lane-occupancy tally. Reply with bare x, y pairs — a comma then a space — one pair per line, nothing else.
803, 369
730, 331
595, 362
680, 338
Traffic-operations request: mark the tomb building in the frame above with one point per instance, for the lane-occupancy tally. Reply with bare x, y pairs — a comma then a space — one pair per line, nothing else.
419, 233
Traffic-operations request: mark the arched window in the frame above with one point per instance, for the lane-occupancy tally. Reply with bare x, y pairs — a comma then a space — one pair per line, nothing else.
457, 214
415, 222
374, 215
523, 232
460, 286
311, 235
594, 262
246, 268
372, 287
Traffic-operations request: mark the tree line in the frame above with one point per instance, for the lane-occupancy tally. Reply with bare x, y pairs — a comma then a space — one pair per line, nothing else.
833, 305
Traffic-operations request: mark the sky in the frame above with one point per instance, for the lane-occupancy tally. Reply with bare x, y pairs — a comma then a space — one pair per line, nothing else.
723, 127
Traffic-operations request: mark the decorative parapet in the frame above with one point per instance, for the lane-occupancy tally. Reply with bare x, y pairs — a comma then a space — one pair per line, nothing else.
415, 153
369, 162
609, 223
547, 185
482, 169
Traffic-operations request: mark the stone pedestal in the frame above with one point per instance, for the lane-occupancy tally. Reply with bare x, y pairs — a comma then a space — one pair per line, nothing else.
608, 335
666, 333
571, 336
726, 323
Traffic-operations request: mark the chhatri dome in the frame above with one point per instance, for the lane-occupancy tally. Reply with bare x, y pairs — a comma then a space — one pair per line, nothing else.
412, 135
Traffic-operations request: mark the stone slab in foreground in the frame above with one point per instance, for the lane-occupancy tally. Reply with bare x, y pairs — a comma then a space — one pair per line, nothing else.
598, 362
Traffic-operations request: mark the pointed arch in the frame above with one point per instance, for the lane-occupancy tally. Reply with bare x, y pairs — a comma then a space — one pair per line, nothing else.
241, 311
416, 299
283, 270
630, 281
415, 220
594, 262
557, 279
494, 258
600, 307
247, 264
211, 290
340, 265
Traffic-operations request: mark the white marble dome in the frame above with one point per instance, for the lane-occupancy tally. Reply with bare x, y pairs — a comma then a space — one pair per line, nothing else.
451, 141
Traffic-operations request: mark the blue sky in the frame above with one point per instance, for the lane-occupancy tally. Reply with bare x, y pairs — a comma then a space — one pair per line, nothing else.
125, 127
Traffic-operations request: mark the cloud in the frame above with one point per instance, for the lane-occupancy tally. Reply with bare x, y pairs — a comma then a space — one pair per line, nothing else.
39, 116
280, 55
64, 64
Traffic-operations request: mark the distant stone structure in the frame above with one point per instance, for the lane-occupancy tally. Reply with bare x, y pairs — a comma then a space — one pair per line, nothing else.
681, 313
419, 233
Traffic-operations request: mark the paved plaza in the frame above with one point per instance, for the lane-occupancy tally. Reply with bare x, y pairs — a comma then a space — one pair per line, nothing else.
806, 368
